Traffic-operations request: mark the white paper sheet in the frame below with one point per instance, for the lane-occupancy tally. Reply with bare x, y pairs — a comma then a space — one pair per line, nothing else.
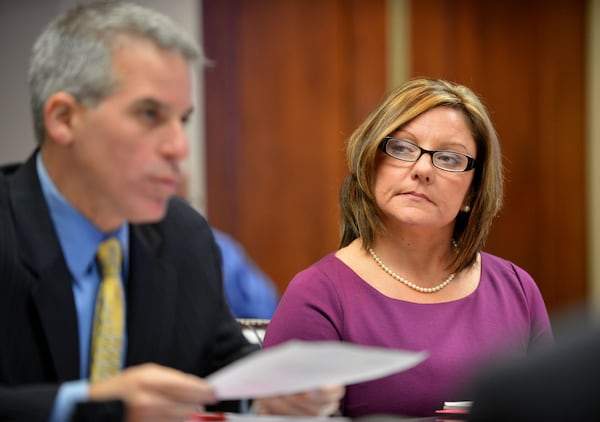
298, 366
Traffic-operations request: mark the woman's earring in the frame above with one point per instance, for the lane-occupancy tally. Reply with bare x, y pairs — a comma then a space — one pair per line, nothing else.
466, 208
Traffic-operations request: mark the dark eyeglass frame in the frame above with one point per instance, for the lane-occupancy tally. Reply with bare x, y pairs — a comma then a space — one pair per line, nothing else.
384, 143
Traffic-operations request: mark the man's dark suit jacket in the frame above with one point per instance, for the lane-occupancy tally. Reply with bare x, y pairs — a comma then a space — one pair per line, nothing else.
562, 384
176, 312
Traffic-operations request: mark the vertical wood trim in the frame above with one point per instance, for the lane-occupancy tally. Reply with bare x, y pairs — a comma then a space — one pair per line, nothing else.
398, 36
221, 28
593, 145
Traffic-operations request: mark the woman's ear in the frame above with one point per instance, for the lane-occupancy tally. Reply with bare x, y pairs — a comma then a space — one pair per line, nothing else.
59, 113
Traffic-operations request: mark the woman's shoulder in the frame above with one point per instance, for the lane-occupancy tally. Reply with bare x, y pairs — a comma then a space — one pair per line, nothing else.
501, 270
329, 277
328, 267
498, 263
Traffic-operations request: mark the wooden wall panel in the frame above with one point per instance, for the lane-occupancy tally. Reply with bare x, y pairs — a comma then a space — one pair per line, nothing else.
291, 80
527, 60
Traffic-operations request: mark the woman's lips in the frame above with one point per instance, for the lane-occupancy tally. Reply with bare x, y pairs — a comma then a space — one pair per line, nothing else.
417, 195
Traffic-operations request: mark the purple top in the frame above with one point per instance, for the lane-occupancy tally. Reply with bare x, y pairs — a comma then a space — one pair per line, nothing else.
329, 301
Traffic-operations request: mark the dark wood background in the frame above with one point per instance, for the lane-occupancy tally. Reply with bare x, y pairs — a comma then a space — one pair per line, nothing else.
291, 79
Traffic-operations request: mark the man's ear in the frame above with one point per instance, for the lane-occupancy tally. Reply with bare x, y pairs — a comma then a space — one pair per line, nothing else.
59, 114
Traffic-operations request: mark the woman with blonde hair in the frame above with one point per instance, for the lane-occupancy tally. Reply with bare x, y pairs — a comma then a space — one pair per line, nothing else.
425, 182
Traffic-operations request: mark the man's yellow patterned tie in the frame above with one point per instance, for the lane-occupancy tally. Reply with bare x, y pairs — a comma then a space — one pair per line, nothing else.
107, 337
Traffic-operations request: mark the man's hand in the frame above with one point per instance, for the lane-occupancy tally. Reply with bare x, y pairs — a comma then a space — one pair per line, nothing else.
321, 402
155, 393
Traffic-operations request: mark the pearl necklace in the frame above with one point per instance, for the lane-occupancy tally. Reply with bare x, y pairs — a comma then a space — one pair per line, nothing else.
410, 283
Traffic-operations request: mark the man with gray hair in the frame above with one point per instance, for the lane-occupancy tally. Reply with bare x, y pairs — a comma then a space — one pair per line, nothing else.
110, 288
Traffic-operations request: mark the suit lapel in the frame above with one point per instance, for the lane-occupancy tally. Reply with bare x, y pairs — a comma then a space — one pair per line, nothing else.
54, 299
151, 299
51, 282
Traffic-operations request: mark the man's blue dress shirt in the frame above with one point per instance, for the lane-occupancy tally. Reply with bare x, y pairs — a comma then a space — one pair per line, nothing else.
79, 240
250, 293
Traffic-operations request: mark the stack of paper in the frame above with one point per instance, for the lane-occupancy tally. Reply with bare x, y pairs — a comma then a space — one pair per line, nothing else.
454, 410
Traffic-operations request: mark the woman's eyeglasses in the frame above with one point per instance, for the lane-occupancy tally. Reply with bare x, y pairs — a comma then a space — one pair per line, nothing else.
404, 150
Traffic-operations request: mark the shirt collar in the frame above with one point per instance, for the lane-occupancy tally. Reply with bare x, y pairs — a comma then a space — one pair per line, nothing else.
78, 236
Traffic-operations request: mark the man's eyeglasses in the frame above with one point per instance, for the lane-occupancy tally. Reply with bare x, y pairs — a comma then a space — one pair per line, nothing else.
404, 150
